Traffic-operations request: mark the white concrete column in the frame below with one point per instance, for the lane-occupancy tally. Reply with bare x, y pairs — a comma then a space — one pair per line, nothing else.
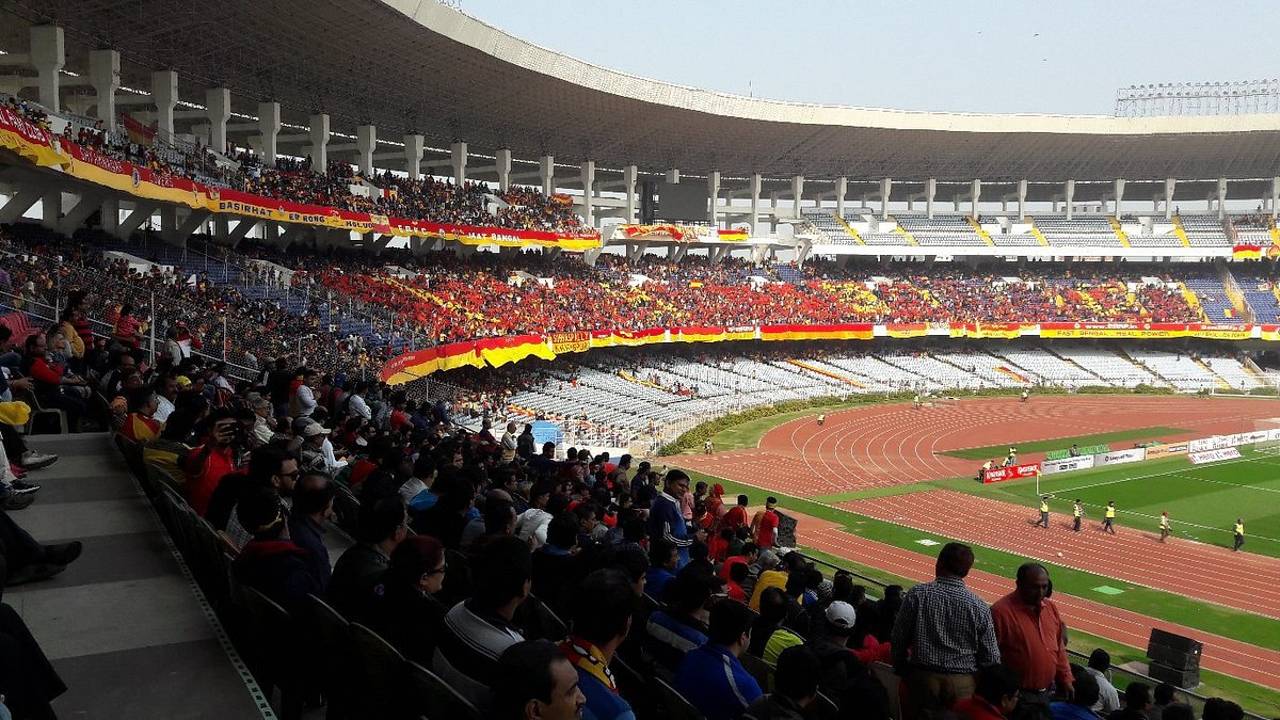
629, 175
842, 187
1022, 199
458, 161
975, 194
1069, 194
268, 131
713, 196
413, 155
547, 172
588, 170
797, 194
502, 164
673, 176
318, 129
1222, 197
164, 93
1169, 185
366, 141
930, 191
756, 182
1119, 195
48, 55
886, 187
104, 73
217, 104
1275, 195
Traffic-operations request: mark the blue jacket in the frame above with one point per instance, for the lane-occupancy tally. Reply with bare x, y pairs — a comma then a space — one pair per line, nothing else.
602, 703
656, 579
715, 682
1069, 711
666, 521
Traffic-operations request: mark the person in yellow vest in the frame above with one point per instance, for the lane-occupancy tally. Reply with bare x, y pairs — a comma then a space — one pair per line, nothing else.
1239, 535
1044, 512
1109, 518
1077, 514
1164, 525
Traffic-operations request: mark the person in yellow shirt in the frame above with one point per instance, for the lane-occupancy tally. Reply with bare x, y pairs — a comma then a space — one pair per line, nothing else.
1077, 513
770, 576
1239, 535
1044, 512
1109, 518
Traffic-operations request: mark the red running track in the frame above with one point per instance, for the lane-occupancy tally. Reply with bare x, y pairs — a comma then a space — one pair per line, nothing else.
1244, 581
1229, 657
894, 444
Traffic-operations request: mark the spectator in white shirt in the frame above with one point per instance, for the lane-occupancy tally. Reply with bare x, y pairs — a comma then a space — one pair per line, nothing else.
304, 397
356, 404
509, 443
531, 525
1108, 697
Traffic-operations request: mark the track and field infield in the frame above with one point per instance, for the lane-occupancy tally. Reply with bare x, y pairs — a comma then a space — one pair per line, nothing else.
1044, 446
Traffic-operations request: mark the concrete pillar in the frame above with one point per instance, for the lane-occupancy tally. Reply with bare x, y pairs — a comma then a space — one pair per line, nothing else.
268, 131
1022, 199
104, 73
1119, 194
413, 155
547, 172
588, 170
217, 104
1222, 197
975, 194
458, 161
1069, 194
629, 174
109, 214
797, 194
756, 182
673, 176
164, 93
502, 163
1275, 195
886, 187
842, 187
713, 194
319, 131
51, 208
930, 190
48, 55
366, 141
1169, 185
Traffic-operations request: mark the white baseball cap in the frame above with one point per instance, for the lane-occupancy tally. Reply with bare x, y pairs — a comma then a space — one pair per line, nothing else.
841, 614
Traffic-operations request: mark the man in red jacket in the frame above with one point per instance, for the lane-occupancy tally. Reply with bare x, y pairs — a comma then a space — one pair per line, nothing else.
54, 386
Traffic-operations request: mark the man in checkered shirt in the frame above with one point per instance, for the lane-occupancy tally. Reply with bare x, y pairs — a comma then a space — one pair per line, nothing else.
942, 636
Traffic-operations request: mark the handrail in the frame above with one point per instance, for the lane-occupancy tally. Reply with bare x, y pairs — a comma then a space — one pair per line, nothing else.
1132, 675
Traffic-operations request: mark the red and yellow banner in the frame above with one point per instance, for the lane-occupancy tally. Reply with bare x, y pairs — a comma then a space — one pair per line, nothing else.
684, 233
38, 146
1246, 252
852, 331
699, 334
569, 342
990, 330
906, 330
1145, 330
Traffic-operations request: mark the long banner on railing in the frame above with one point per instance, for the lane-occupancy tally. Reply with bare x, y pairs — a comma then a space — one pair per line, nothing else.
500, 351
37, 145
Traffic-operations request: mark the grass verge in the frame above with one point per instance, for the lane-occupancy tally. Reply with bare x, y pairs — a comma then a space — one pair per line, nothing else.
1039, 446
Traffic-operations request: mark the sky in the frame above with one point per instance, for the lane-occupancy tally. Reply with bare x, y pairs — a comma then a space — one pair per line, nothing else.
1047, 56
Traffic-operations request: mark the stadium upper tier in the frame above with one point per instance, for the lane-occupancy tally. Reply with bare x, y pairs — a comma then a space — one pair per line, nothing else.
448, 77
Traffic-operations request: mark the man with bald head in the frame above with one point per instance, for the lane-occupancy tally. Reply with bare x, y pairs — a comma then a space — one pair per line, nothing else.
1032, 640
942, 636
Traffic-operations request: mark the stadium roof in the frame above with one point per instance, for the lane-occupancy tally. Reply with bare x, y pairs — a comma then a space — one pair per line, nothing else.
417, 65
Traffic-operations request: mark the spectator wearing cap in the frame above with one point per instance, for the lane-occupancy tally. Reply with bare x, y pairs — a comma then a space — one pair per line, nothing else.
478, 630
1029, 631
711, 677
995, 696
317, 450
538, 684
603, 607
942, 635
842, 676
795, 687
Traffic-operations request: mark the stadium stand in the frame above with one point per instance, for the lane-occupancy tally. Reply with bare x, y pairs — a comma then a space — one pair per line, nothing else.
1204, 230
1080, 231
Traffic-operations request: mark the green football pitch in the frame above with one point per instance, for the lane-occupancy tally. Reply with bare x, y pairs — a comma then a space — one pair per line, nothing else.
1203, 501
